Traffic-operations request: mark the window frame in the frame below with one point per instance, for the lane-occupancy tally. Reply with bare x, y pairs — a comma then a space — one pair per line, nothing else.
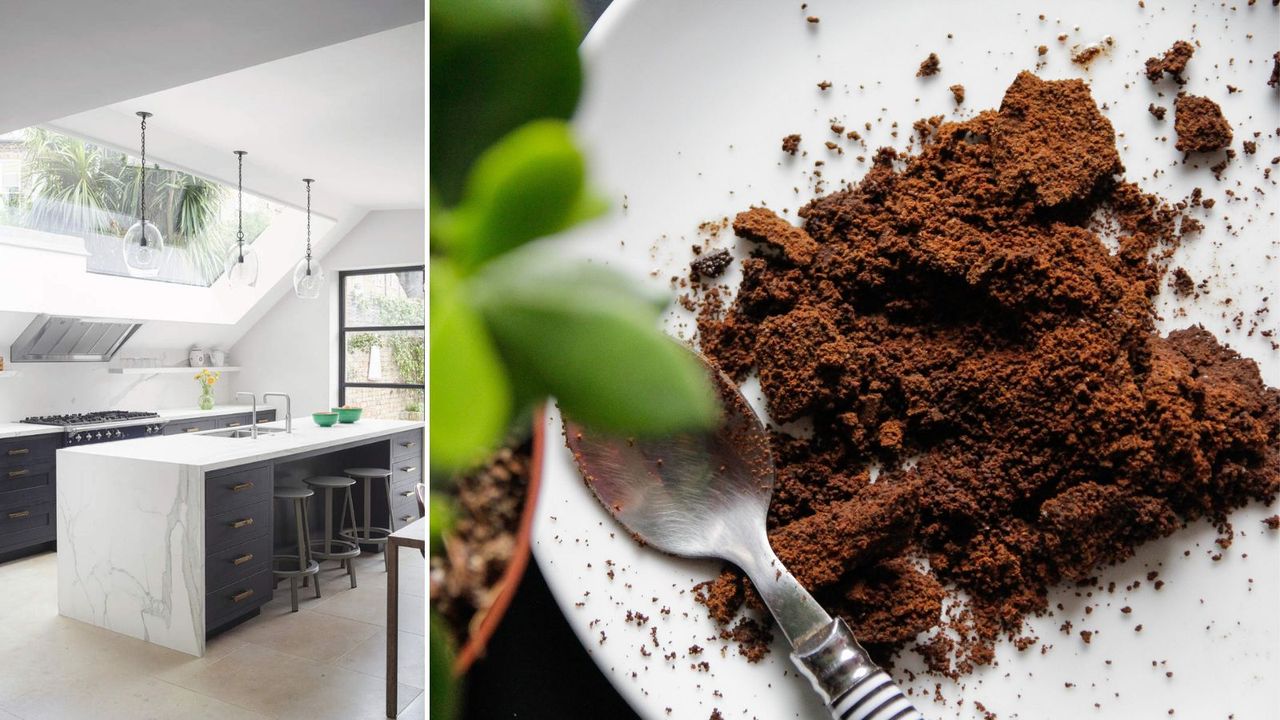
343, 384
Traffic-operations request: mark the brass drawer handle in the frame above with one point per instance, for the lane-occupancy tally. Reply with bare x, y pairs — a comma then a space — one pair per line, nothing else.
245, 595
191, 429
408, 468
18, 473
241, 523
19, 451
19, 515
408, 493
242, 559
241, 486
234, 424
406, 518
408, 443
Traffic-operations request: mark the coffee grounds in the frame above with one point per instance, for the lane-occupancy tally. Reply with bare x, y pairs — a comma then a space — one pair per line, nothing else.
1275, 71
957, 93
791, 144
1199, 124
711, 265
957, 318
1174, 62
1156, 111
930, 66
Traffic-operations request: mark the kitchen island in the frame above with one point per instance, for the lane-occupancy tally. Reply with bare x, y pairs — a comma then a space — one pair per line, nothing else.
169, 539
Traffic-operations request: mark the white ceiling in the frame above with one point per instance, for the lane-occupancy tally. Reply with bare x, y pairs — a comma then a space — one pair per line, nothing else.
349, 115
66, 56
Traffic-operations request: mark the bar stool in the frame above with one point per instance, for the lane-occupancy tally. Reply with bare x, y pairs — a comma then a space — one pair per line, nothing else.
305, 566
365, 534
330, 547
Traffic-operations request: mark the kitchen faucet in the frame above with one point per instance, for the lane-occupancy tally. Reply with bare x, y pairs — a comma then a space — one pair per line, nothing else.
253, 426
288, 409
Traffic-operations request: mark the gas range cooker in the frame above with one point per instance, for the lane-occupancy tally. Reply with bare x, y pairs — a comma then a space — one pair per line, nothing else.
96, 427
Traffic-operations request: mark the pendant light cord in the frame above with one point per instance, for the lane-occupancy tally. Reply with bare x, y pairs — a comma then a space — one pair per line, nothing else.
142, 193
240, 201
308, 182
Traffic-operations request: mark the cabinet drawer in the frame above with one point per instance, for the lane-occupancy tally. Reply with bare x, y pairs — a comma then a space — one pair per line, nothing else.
403, 511
223, 491
237, 598
178, 427
406, 472
237, 526
19, 478
406, 446
29, 450
265, 416
237, 562
26, 519
230, 421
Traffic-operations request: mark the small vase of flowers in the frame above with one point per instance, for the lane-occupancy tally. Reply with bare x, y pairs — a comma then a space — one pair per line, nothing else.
207, 380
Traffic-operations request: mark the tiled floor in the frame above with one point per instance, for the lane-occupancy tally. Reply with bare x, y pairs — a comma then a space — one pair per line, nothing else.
326, 661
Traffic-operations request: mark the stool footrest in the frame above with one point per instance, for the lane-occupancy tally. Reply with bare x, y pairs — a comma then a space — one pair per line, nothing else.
338, 550
365, 535
313, 567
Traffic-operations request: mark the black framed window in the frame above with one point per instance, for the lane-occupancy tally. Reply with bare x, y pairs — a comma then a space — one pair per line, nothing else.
382, 318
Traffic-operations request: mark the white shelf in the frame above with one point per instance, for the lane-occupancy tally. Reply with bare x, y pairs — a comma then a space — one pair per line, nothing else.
168, 370
8, 373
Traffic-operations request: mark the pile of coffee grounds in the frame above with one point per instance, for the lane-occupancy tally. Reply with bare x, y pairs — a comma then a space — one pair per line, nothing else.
489, 501
791, 144
1199, 124
1174, 62
977, 320
930, 66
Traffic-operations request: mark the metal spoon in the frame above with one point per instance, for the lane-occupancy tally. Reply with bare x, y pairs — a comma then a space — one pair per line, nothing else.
706, 495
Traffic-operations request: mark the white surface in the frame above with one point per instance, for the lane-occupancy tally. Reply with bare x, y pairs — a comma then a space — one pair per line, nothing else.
294, 347
685, 109
16, 429
186, 413
150, 46
205, 452
170, 370
9, 373
131, 548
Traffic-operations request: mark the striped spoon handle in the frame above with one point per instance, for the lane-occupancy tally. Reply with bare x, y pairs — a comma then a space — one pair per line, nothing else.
848, 682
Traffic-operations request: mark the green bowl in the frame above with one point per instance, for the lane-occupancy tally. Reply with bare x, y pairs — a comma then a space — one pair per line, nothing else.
348, 415
325, 419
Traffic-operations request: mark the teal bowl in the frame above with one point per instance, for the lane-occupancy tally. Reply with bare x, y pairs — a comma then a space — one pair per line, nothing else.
325, 419
348, 415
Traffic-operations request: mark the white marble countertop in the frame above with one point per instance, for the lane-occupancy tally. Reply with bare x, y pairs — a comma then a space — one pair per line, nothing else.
17, 429
206, 453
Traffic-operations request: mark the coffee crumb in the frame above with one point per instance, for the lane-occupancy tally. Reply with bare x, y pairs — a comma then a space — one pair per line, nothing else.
711, 265
1182, 282
1156, 111
930, 66
1174, 62
1199, 124
791, 144
1273, 522
813, 19
957, 93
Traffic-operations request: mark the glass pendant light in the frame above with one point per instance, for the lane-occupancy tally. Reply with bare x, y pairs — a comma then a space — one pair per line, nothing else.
143, 244
308, 276
242, 262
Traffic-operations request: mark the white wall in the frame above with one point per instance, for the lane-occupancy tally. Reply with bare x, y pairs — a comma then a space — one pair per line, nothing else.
294, 347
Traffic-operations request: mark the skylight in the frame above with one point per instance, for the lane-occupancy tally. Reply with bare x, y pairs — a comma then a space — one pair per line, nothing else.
55, 183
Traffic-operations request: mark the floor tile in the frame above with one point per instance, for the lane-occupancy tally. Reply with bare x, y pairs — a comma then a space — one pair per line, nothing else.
307, 634
417, 709
144, 698
370, 657
370, 605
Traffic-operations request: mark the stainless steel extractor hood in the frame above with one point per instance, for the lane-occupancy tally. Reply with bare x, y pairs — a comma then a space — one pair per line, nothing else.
55, 338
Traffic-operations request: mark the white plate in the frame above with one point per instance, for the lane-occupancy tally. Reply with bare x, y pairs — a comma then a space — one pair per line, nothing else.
685, 107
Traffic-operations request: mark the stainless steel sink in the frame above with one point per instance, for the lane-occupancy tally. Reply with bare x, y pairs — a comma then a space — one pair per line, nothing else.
240, 432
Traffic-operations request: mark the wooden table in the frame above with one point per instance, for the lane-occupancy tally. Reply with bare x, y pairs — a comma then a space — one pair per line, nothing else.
413, 535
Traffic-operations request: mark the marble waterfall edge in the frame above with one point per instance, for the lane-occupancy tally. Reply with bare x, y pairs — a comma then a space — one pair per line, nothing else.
131, 548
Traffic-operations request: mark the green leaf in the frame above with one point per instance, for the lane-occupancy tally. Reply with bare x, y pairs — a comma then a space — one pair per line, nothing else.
442, 521
495, 65
446, 691
532, 183
589, 336
470, 395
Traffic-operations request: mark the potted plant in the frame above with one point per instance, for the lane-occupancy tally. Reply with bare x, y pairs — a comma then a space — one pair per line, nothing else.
511, 323
412, 411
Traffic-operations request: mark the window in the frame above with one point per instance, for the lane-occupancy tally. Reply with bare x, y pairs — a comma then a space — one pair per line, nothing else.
382, 341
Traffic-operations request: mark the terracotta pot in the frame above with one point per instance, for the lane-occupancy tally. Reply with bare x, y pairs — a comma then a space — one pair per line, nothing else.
510, 581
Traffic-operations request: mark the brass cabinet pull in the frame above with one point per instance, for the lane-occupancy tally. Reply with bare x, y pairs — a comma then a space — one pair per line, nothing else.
409, 468
234, 424
19, 515
242, 559
18, 473
191, 429
242, 523
406, 518
408, 493
19, 451
408, 443
244, 595
241, 486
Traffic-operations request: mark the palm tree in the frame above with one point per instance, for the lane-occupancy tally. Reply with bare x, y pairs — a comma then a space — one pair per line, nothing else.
70, 193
